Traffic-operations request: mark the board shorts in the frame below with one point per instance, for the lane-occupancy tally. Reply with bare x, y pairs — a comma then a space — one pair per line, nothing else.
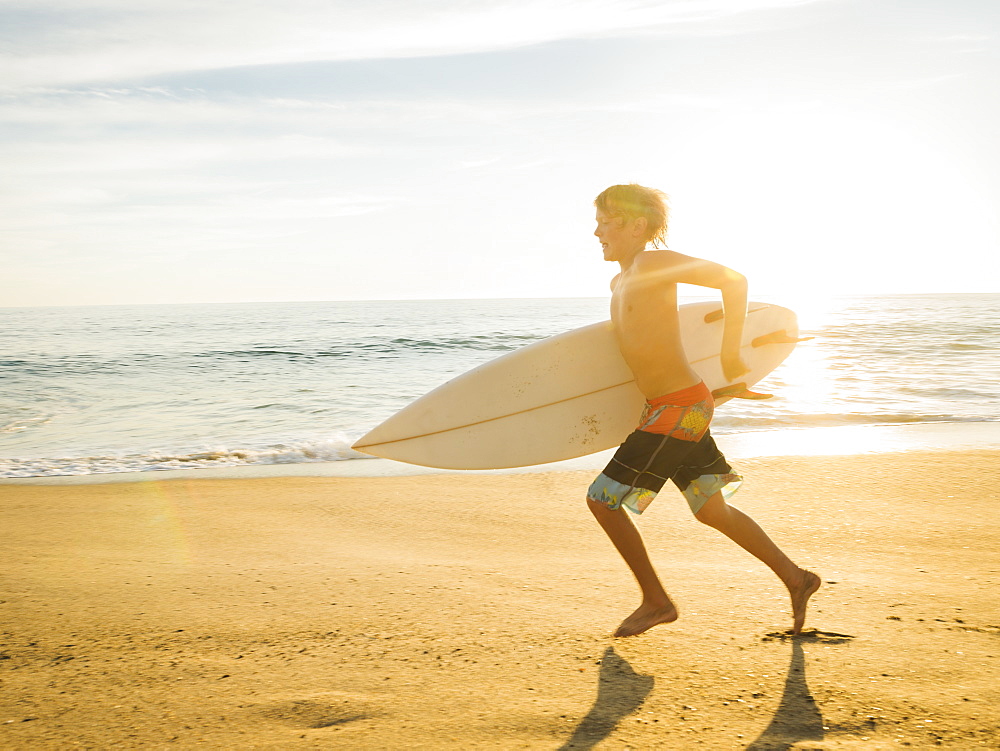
673, 443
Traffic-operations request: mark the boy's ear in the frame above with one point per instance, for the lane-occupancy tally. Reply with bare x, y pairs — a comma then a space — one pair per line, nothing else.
641, 223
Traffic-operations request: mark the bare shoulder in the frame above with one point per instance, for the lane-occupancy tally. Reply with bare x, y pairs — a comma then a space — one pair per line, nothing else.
670, 266
614, 282
661, 260
654, 266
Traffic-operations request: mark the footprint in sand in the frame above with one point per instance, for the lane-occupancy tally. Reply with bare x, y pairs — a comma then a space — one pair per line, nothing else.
809, 635
309, 713
961, 625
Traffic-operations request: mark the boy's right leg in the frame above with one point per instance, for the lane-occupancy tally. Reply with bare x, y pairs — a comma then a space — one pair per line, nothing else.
656, 606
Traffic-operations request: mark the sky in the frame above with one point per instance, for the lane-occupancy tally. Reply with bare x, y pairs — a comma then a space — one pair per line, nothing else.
205, 151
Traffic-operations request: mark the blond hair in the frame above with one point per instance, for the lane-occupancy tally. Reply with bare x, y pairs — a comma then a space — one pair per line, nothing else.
633, 201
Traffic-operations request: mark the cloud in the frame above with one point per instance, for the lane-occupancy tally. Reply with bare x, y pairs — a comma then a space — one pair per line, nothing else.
67, 43
101, 171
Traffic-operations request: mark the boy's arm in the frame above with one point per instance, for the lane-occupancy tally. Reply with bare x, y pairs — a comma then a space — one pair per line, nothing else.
670, 267
734, 305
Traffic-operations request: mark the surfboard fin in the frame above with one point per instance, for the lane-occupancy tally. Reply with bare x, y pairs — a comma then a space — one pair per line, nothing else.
718, 315
779, 337
739, 391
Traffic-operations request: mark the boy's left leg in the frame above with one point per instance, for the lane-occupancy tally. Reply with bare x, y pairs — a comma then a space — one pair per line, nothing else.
746, 533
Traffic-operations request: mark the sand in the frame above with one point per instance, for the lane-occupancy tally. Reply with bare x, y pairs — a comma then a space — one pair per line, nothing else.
475, 611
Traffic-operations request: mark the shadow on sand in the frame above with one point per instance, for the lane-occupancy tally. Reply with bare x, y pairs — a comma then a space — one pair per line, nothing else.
797, 717
620, 692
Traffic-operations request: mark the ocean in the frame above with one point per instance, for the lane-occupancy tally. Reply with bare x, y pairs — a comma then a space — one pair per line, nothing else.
87, 390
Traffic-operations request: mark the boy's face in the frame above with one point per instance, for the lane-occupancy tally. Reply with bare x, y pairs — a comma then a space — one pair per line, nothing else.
615, 234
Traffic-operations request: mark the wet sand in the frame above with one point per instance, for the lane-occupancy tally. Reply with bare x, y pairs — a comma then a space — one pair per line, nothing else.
475, 611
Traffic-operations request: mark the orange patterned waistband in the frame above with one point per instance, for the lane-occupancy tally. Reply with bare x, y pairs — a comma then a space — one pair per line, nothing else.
684, 398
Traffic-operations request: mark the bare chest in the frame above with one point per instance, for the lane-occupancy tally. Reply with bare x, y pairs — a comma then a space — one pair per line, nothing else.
642, 304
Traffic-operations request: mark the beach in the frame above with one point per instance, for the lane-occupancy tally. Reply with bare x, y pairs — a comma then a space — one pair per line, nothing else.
475, 611
255, 263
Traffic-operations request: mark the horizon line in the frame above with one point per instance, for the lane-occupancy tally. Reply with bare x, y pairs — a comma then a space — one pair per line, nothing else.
458, 299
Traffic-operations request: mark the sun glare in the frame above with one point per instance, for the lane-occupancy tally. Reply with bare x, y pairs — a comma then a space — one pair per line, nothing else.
834, 201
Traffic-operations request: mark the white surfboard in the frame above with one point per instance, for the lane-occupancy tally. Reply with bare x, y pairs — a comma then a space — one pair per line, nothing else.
563, 397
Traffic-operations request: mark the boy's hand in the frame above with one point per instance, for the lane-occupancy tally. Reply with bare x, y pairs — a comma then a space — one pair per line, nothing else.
733, 367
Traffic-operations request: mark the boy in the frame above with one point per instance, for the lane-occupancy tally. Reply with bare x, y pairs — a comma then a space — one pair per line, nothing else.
672, 440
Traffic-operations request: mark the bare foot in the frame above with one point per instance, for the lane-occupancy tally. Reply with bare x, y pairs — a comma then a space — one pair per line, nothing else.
645, 617
800, 598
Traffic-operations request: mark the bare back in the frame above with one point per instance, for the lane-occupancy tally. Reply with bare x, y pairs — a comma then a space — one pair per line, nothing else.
646, 320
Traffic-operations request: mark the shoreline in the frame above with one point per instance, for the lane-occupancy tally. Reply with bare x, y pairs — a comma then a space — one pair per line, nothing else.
823, 441
475, 610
